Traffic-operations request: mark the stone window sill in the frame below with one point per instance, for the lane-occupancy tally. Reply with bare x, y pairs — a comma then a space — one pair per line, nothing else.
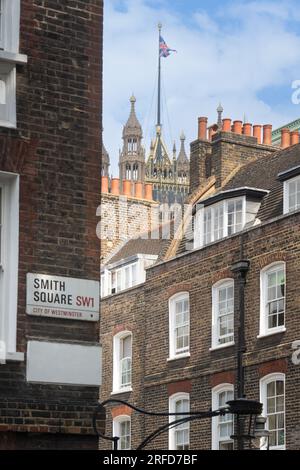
179, 356
272, 333
222, 346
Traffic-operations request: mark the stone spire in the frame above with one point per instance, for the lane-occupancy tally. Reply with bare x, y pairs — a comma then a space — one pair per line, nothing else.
132, 156
132, 128
182, 157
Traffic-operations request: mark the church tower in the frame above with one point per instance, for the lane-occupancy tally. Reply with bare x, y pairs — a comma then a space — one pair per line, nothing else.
132, 156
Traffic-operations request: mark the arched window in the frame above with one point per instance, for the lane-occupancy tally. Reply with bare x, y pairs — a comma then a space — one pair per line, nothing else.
223, 313
179, 325
272, 305
122, 361
122, 429
135, 172
222, 426
179, 437
272, 396
128, 172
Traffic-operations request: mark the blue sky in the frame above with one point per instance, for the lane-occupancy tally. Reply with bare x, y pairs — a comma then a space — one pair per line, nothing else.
244, 53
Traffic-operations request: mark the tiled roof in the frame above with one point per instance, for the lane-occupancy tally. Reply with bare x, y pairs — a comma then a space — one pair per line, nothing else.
263, 174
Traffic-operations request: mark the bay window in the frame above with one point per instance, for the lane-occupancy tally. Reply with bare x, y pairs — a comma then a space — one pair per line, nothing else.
222, 426
223, 313
272, 315
272, 396
179, 436
179, 325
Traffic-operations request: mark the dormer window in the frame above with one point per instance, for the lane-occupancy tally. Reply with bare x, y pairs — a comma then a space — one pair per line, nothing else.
291, 189
225, 214
292, 195
125, 274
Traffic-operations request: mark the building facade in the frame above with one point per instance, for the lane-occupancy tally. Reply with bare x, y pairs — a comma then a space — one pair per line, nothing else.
215, 316
50, 126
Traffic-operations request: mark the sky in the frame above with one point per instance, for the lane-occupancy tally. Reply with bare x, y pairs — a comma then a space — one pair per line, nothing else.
242, 53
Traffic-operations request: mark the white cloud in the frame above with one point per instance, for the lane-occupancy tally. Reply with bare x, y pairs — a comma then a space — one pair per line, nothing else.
214, 63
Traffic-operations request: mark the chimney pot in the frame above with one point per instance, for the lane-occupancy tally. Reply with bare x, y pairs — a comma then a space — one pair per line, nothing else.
115, 186
295, 137
139, 190
104, 184
257, 132
226, 125
267, 134
247, 129
127, 188
148, 192
202, 128
237, 127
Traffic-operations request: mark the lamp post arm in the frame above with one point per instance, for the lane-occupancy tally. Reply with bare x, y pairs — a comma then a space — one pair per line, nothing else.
174, 424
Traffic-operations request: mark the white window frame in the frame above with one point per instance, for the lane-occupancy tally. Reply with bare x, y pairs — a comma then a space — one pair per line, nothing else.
225, 387
263, 399
264, 328
215, 343
286, 194
200, 239
9, 261
116, 428
117, 369
174, 353
173, 399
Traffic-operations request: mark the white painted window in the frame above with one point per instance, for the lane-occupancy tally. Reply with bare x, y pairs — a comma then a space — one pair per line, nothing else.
291, 195
179, 324
272, 396
222, 426
7, 94
122, 361
223, 313
272, 316
123, 278
219, 220
9, 248
179, 436
122, 429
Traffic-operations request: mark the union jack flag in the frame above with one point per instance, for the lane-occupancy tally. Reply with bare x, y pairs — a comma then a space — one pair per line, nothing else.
164, 50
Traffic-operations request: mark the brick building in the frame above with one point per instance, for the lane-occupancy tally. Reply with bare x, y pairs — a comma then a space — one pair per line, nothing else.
50, 108
216, 314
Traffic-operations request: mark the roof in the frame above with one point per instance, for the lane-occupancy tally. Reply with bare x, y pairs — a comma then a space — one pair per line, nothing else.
132, 127
263, 174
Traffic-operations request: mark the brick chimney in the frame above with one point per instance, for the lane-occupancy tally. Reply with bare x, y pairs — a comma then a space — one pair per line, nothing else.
202, 128
295, 137
267, 140
257, 132
285, 138
115, 186
104, 184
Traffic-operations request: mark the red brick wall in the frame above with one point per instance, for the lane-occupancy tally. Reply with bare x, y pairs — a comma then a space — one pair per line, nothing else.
56, 151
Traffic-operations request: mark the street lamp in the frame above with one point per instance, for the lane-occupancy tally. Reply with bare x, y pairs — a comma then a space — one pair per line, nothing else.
242, 408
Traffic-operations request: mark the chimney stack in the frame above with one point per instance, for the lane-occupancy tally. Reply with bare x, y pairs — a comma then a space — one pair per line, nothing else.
295, 137
267, 134
226, 125
115, 186
202, 128
257, 132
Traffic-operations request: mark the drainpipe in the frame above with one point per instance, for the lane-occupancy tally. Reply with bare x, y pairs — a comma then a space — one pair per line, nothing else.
240, 269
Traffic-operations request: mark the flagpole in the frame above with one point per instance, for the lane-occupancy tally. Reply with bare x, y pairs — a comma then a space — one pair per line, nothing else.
159, 79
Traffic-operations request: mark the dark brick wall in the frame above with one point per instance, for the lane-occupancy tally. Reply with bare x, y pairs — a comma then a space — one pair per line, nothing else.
56, 151
146, 310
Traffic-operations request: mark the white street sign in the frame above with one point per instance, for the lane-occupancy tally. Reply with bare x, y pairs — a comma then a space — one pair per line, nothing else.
62, 297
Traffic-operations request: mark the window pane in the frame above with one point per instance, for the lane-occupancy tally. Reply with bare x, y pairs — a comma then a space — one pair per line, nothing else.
275, 297
275, 412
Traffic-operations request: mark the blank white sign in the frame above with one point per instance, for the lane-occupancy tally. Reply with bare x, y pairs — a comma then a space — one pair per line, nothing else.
63, 363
